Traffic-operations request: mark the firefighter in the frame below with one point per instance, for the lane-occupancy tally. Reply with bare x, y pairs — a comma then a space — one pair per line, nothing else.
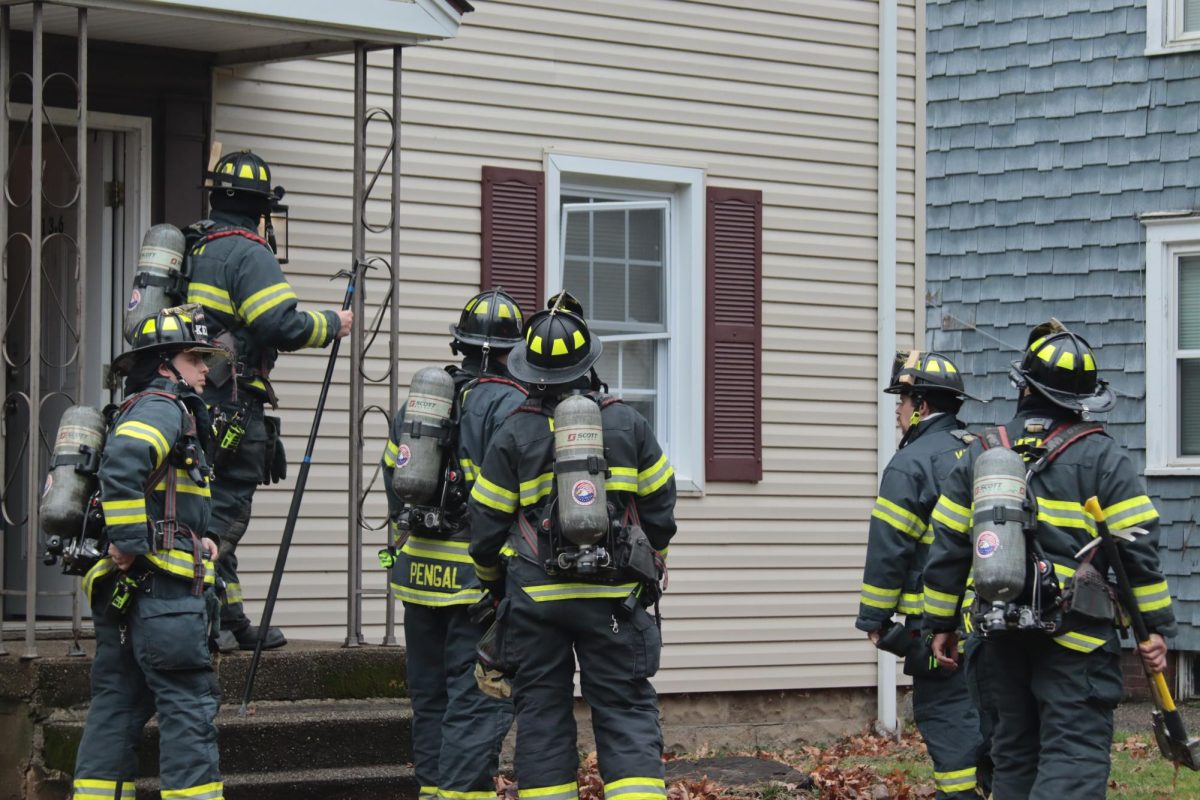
457, 729
152, 598
561, 602
931, 391
1054, 688
252, 310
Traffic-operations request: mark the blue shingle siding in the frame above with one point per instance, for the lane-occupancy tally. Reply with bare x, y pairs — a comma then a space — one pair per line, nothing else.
1049, 132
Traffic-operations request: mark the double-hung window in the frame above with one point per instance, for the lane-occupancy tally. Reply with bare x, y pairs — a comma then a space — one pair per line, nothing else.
1172, 25
1173, 345
626, 239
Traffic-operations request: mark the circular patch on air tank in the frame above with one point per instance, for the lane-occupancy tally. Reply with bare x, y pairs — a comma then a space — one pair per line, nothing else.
987, 544
403, 454
135, 299
49, 483
583, 493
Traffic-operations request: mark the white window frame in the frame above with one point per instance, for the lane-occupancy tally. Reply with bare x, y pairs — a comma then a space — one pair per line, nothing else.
1167, 239
1164, 29
682, 396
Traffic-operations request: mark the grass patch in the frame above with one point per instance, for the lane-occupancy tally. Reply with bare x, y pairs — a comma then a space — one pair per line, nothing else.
1141, 773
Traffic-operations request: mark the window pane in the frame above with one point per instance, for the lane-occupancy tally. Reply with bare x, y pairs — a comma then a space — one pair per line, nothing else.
645, 294
578, 234
1189, 407
630, 369
609, 234
1189, 302
645, 408
1191, 16
638, 369
577, 281
609, 300
646, 234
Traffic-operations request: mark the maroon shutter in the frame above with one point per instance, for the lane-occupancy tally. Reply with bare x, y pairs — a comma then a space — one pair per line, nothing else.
733, 406
513, 230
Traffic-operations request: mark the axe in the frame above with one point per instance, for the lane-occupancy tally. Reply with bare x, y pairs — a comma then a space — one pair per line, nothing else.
1169, 732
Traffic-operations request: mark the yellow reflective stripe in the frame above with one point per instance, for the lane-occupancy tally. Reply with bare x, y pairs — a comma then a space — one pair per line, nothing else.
427, 793
563, 791
316, 337
449, 795
507, 551
105, 566
423, 597
1065, 514
636, 789
898, 517
146, 433
1128, 513
952, 515
389, 453
470, 468
940, 604
94, 789
577, 591
264, 300
536, 489
962, 780
438, 550
185, 485
123, 505
209, 791
878, 597
1079, 641
651, 479
493, 496
623, 479
179, 562
233, 594
123, 512
213, 297
1153, 596
911, 603
486, 573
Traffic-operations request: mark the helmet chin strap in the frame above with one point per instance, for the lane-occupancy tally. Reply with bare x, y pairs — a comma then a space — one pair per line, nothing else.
169, 363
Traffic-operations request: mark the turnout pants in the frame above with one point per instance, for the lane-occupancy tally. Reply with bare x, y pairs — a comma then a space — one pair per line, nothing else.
1054, 716
948, 721
155, 658
457, 729
237, 479
616, 658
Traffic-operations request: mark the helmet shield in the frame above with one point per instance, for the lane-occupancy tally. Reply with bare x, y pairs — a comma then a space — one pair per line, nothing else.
1060, 366
489, 319
558, 348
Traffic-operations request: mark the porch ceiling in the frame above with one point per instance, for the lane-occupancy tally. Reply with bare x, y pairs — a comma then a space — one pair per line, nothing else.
237, 31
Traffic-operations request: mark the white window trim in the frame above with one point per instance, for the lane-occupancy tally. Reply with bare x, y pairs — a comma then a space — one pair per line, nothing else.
1164, 29
1166, 239
685, 298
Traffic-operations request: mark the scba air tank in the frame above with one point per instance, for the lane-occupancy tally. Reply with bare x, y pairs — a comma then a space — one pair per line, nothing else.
72, 476
999, 557
157, 283
578, 454
420, 456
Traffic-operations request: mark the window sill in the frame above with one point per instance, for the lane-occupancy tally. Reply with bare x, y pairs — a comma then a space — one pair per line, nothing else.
1192, 470
687, 488
1190, 46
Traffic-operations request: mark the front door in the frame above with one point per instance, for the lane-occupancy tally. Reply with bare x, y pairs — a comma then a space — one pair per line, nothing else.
79, 330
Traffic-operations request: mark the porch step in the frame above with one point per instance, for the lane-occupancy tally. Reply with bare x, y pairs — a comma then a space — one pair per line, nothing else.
303, 670
340, 783
277, 737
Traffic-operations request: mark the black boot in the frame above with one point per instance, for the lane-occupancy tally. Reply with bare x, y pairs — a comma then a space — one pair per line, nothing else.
247, 638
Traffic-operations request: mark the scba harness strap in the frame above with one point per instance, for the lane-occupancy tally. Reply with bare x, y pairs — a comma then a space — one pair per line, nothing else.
162, 534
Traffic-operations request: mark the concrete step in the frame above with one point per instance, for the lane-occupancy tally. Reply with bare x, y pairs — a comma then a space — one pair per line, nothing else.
276, 737
347, 783
303, 670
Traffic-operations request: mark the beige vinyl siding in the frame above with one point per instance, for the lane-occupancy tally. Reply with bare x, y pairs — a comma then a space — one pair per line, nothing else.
780, 97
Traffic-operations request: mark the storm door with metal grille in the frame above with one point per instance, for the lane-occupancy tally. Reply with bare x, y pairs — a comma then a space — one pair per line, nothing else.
615, 259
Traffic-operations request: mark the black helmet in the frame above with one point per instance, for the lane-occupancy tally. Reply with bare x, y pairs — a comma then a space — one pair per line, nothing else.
243, 171
1059, 365
490, 319
558, 349
917, 373
565, 301
170, 331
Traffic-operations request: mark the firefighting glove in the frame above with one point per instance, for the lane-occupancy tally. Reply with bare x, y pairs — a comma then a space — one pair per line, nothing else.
492, 682
276, 455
